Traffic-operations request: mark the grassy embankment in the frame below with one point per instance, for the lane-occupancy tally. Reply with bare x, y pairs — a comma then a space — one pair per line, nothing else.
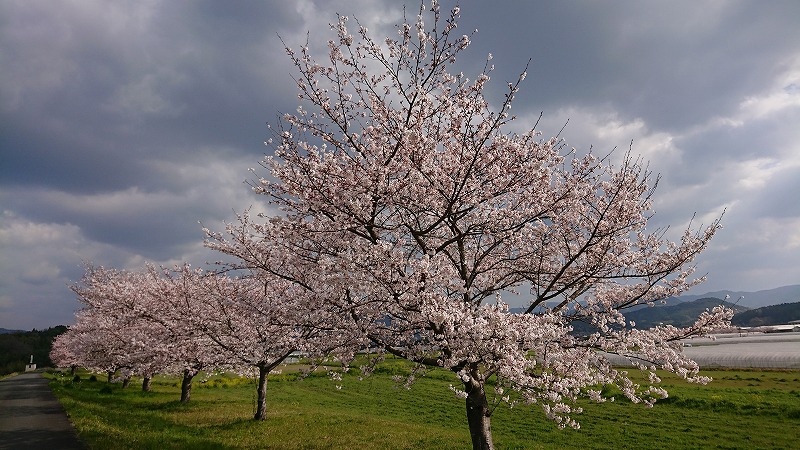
740, 409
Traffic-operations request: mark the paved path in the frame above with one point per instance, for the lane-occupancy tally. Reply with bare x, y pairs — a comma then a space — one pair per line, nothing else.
32, 418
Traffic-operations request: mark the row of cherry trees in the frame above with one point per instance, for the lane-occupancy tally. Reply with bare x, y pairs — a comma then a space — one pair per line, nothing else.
406, 209
183, 321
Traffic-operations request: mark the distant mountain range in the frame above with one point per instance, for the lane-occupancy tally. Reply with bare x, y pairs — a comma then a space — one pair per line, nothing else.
680, 315
750, 300
768, 307
768, 297
684, 314
761, 308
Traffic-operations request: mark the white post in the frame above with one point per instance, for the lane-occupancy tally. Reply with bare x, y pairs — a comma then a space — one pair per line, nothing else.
30, 367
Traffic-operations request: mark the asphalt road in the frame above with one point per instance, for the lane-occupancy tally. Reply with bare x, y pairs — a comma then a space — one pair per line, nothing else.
32, 418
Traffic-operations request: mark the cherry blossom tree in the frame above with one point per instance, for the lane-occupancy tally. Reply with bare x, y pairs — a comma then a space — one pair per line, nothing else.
142, 323
173, 299
63, 354
95, 341
111, 333
183, 320
257, 325
80, 346
408, 206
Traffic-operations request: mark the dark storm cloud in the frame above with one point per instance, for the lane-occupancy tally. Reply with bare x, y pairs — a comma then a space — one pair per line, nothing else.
132, 85
123, 124
674, 63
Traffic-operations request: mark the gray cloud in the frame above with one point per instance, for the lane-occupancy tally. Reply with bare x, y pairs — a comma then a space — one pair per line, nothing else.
124, 124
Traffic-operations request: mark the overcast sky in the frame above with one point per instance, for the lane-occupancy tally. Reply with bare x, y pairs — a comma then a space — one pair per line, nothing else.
124, 124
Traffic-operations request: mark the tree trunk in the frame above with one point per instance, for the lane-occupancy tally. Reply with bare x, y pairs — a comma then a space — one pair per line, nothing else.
110, 375
146, 383
126, 381
186, 386
479, 417
261, 406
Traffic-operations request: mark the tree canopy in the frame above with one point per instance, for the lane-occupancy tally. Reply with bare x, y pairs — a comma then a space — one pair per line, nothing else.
408, 208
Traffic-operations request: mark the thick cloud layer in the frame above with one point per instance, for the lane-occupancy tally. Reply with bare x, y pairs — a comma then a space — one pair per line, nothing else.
123, 124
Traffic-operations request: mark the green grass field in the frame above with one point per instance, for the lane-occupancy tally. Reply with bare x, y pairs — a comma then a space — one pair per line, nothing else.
740, 409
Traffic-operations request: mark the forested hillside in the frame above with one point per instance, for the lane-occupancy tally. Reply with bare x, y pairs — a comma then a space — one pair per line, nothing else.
768, 315
683, 314
16, 348
679, 315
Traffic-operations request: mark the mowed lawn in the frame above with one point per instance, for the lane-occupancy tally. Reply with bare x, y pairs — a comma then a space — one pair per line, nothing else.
739, 409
